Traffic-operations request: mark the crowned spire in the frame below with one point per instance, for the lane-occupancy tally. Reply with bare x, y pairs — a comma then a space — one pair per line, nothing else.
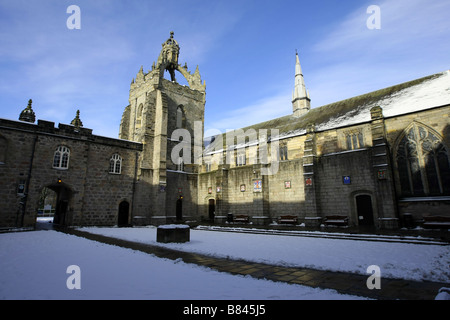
168, 58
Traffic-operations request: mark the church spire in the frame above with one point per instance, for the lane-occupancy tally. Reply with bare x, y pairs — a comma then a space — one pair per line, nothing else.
300, 96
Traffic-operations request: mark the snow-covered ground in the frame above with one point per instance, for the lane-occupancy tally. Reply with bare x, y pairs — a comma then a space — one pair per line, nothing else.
33, 265
396, 260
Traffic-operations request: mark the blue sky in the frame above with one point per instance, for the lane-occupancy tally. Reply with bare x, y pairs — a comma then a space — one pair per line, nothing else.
245, 51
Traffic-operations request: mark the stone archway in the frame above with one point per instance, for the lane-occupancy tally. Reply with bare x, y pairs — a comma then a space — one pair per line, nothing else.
62, 214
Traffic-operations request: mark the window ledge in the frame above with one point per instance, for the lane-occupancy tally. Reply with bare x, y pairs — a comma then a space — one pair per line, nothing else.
430, 198
62, 169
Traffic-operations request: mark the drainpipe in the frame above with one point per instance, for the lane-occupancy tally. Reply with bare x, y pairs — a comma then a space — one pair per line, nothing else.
134, 186
27, 184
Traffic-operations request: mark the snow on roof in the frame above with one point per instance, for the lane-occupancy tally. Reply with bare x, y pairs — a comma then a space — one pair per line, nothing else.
413, 96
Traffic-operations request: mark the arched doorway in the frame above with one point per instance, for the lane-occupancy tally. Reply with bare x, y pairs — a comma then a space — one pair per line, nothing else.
211, 209
364, 210
124, 209
46, 209
61, 206
179, 210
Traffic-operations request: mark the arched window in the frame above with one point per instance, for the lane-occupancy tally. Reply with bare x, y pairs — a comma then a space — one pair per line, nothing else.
181, 118
115, 164
423, 163
283, 152
61, 158
354, 140
139, 112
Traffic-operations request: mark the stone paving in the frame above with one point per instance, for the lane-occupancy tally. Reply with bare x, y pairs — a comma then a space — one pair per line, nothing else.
345, 283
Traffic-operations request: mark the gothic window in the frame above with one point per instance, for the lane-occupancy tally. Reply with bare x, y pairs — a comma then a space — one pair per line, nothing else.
139, 114
115, 164
181, 118
61, 158
423, 163
283, 152
354, 140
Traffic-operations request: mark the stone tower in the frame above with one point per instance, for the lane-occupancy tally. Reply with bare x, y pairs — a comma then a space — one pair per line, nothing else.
166, 185
301, 102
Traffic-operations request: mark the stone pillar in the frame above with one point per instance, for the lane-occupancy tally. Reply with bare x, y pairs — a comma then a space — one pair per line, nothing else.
383, 174
260, 185
159, 178
312, 215
222, 204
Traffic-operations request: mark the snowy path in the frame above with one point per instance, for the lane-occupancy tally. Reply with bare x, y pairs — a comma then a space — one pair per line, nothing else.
396, 260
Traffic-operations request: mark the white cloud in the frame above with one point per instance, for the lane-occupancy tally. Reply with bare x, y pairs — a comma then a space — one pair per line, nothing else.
413, 42
405, 25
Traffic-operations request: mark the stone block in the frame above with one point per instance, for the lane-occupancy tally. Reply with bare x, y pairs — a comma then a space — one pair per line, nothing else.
173, 233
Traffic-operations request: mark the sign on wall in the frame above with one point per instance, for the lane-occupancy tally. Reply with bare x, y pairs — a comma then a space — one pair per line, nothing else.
257, 185
347, 180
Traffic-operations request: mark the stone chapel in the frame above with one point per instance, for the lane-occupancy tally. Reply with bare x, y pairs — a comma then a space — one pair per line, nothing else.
379, 160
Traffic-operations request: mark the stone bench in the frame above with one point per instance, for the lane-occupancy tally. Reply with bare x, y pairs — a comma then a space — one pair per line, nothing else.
173, 233
288, 219
336, 220
241, 218
436, 222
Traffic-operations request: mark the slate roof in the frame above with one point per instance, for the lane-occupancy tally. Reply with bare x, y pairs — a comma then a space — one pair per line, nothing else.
417, 95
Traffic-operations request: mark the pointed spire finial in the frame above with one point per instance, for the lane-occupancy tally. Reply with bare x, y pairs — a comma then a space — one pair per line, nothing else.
76, 122
300, 97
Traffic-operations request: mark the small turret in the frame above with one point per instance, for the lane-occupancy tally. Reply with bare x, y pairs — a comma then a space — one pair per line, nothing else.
28, 114
76, 122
